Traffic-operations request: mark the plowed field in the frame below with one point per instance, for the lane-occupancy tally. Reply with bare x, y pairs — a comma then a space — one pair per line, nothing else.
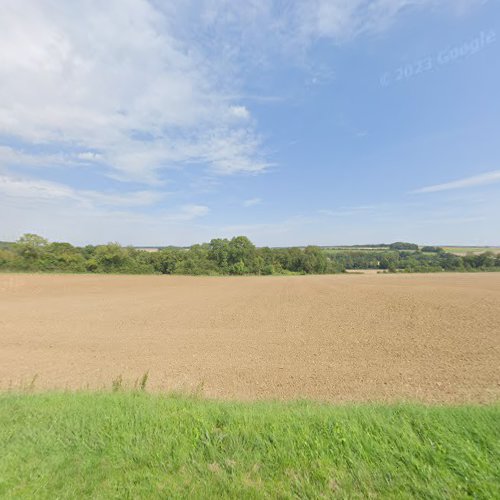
432, 338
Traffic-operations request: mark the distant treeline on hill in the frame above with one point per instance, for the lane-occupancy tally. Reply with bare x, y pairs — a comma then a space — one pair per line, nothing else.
238, 256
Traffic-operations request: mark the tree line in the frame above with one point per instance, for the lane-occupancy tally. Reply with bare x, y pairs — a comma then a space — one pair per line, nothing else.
236, 256
425, 260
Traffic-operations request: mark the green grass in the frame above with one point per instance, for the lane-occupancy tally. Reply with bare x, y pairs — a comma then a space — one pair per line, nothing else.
136, 445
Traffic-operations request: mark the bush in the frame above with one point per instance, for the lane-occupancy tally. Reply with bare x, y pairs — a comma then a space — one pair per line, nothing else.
400, 245
430, 249
237, 256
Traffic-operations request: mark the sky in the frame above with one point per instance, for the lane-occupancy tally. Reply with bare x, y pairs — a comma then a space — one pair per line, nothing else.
328, 122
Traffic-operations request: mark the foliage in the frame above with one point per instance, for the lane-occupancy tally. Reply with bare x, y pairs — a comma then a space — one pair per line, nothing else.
137, 445
237, 256
400, 245
413, 261
431, 249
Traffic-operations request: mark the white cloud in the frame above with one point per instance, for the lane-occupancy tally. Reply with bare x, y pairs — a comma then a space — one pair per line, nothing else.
362, 210
34, 189
259, 29
113, 80
186, 213
139, 86
240, 112
134, 87
21, 191
60, 212
252, 202
10, 156
477, 180
89, 156
345, 19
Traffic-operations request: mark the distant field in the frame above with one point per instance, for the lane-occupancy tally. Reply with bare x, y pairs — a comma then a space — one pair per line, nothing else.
475, 250
454, 250
371, 337
344, 250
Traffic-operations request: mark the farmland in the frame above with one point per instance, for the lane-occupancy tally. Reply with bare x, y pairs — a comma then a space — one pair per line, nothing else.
222, 387
342, 338
462, 250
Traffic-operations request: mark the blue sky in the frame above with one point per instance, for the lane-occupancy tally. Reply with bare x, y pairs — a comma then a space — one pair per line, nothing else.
292, 122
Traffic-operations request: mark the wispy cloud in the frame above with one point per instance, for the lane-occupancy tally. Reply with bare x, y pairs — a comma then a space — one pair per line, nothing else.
476, 180
143, 86
62, 212
353, 210
290, 25
186, 213
28, 191
122, 85
252, 202
149, 93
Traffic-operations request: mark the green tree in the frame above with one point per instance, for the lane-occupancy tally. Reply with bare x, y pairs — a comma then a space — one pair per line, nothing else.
431, 249
8, 259
218, 253
111, 257
239, 268
401, 245
31, 246
241, 250
63, 257
315, 260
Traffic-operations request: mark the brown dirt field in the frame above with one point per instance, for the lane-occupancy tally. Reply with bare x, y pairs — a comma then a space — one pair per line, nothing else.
432, 338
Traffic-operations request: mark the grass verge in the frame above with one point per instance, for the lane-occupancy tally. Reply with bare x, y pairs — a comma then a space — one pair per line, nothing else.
137, 445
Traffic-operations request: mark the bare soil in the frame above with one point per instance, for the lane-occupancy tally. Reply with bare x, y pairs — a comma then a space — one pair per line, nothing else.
374, 337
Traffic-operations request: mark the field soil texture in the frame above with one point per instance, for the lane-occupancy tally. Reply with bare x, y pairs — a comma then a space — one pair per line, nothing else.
342, 338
